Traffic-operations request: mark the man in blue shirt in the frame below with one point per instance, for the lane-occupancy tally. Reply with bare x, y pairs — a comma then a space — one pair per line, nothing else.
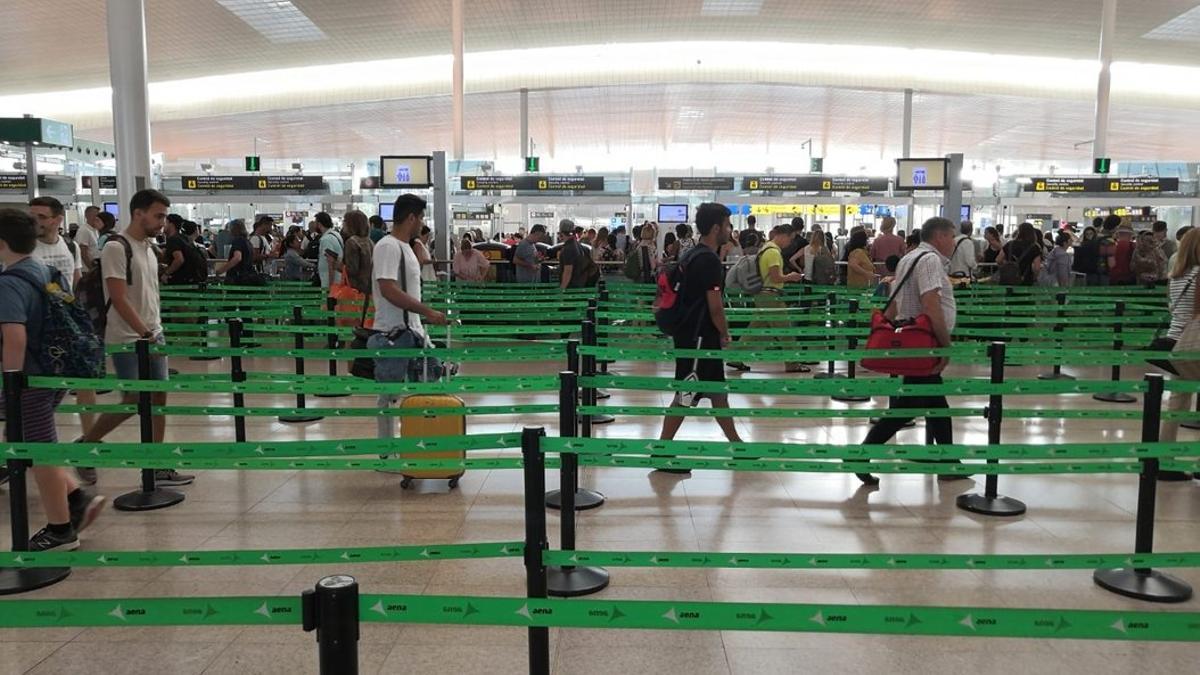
69, 508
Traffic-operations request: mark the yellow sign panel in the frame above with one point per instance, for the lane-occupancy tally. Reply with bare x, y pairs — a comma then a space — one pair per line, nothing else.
826, 185
1040, 186
833, 210
470, 183
262, 184
191, 184
753, 185
1114, 186
542, 184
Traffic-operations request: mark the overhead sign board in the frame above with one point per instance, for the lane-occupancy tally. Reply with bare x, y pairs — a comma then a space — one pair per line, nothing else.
1088, 184
541, 214
268, 183
472, 215
814, 184
104, 182
703, 183
37, 130
14, 181
534, 183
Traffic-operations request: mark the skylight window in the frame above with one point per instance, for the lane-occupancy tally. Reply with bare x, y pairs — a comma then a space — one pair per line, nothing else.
731, 7
1183, 28
278, 20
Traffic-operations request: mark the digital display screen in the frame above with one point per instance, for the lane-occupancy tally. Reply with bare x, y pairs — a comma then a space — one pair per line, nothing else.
113, 208
672, 213
387, 211
921, 174
405, 172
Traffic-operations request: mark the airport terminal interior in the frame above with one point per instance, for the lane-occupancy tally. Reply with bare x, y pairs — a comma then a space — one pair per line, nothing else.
561, 336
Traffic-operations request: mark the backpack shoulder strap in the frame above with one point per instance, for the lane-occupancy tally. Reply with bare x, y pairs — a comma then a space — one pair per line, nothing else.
128, 255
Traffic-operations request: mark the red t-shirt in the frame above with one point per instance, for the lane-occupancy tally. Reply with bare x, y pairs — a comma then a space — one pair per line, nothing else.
1122, 270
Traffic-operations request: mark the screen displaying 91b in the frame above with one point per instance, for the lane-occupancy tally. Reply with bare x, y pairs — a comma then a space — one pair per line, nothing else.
398, 172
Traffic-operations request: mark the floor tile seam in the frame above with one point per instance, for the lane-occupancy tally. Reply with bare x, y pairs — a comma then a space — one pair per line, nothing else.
47, 657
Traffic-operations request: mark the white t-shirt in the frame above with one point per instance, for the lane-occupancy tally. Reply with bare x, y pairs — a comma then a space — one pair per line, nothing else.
142, 292
89, 237
331, 243
389, 251
59, 256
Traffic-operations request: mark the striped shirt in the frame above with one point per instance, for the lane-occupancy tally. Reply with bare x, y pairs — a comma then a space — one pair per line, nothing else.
1183, 303
929, 275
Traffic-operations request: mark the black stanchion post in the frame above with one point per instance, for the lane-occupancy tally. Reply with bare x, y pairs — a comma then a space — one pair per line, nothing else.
1057, 373
590, 393
331, 342
852, 344
1194, 424
1116, 396
584, 499
150, 496
534, 463
237, 374
991, 503
603, 322
203, 288
571, 581
331, 609
301, 417
20, 579
829, 374
1144, 583
601, 364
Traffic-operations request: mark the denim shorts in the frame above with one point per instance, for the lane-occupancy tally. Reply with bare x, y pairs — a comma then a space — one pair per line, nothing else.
125, 364
392, 369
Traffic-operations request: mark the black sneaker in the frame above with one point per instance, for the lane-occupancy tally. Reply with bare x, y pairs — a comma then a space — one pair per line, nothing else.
45, 540
85, 510
868, 478
171, 477
738, 366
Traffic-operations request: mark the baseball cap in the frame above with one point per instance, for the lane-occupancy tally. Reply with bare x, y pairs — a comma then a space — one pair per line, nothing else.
566, 226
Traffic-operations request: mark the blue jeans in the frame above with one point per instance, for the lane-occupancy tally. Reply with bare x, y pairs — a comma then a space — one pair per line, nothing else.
390, 370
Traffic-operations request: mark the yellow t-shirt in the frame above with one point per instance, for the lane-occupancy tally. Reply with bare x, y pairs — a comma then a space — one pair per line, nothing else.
769, 257
855, 278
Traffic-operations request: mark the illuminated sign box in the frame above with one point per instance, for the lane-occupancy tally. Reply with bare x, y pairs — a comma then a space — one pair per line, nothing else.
405, 172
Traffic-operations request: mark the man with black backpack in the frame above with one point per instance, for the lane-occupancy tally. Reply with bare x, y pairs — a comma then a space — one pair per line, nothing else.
699, 306
24, 319
186, 264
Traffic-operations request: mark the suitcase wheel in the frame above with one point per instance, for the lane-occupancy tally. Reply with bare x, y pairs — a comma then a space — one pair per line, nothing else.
406, 483
453, 483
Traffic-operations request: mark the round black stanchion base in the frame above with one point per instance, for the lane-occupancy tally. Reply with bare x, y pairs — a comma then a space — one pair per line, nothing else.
850, 398
1174, 476
139, 500
584, 499
1116, 397
204, 358
990, 506
24, 579
1055, 376
601, 395
1191, 425
172, 371
300, 419
572, 582
1151, 585
907, 425
603, 419
330, 395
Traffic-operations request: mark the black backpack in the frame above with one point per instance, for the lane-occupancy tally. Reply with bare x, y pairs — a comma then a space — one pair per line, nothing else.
195, 264
91, 286
671, 314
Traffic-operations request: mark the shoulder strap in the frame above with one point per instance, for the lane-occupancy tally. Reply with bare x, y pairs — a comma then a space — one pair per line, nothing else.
959, 244
70, 245
1186, 288
128, 255
403, 283
911, 268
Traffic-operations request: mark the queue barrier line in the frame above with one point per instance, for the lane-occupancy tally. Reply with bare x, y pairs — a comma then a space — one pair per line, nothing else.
224, 449
1016, 355
392, 465
224, 411
874, 386
793, 315
798, 466
464, 354
870, 561
460, 331
991, 622
259, 557
815, 451
1101, 336
460, 385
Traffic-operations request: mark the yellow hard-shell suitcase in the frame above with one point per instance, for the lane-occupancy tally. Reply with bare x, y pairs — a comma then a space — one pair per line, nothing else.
440, 425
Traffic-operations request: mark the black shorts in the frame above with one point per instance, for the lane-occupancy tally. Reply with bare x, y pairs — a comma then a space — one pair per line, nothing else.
707, 370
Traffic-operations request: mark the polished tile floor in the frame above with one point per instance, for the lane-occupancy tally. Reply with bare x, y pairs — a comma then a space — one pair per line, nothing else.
708, 511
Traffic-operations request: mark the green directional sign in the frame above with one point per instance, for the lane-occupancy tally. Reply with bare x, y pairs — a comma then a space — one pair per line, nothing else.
533, 164
1102, 165
253, 163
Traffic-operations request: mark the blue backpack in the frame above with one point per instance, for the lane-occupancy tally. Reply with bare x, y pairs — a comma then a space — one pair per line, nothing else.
69, 346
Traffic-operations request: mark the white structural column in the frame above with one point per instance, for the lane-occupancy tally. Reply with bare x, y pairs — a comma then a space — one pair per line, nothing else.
524, 123
131, 107
906, 141
31, 174
456, 37
954, 191
1108, 24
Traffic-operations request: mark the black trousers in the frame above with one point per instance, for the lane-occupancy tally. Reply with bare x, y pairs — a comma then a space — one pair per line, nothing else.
940, 427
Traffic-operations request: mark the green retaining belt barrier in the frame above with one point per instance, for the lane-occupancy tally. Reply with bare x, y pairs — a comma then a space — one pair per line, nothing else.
471, 411
874, 386
812, 451
835, 413
41, 452
773, 465
345, 385
296, 556
876, 561
518, 353
622, 614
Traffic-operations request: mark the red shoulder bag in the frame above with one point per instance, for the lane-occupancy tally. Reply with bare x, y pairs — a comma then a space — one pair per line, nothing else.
915, 333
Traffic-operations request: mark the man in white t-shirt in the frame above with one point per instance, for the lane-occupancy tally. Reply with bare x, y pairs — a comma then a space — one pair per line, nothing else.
329, 251
260, 241
88, 237
396, 291
53, 249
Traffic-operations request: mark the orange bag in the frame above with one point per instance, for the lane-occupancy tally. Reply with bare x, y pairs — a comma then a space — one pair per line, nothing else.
350, 300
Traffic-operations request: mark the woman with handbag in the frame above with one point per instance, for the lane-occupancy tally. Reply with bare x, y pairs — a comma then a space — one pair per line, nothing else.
1185, 331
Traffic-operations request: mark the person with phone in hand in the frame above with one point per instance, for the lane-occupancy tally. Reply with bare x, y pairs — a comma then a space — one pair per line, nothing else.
923, 288
702, 295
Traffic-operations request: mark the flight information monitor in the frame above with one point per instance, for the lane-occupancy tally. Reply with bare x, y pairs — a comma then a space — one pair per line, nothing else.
387, 211
113, 208
405, 172
672, 213
921, 174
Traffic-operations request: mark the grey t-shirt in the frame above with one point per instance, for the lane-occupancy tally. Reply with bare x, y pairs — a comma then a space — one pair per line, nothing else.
527, 252
21, 302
